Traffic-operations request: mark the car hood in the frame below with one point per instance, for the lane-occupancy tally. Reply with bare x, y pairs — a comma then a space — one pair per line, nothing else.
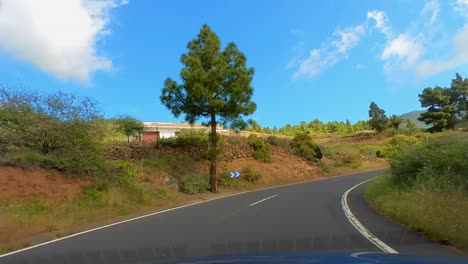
326, 258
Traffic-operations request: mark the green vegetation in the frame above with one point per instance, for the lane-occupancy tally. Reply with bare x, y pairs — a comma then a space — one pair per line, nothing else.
226, 181
395, 121
58, 131
439, 164
215, 86
129, 126
446, 106
186, 138
350, 160
262, 150
428, 187
441, 216
315, 127
279, 142
193, 184
386, 148
303, 145
250, 175
377, 118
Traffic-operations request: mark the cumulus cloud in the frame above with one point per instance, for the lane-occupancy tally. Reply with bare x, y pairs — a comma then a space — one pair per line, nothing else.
57, 36
401, 54
459, 57
404, 48
330, 52
381, 22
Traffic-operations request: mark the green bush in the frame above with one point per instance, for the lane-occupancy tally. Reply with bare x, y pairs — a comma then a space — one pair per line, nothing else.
440, 163
65, 129
279, 142
250, 175
226, 180
186, 138
351, 160
385, 148
193, 184
262, 150
304, 146
192, 138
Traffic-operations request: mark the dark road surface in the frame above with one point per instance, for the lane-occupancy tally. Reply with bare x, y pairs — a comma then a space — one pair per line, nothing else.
305, 217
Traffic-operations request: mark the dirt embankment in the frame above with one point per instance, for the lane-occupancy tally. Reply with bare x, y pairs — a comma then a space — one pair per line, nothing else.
17, 184
284, 167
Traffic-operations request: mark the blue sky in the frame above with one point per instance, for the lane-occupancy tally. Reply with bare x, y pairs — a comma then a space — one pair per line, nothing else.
312, 59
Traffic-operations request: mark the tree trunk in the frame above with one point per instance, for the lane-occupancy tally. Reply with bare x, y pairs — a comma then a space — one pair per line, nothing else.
213, 154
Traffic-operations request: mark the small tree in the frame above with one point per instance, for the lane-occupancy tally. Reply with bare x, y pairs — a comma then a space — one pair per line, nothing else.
377, 118
129, 126
215, 85
395, 121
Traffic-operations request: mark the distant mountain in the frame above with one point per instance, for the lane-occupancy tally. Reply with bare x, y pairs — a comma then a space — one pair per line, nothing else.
413, 116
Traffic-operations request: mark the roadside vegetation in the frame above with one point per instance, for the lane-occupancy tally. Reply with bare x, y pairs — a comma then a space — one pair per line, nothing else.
428, 187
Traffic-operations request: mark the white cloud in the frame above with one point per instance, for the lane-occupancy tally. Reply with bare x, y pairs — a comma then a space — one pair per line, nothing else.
359, 66
381, 22
401, 54
461, 7
404, 48
330, 52
460, 56
348, 38
431, 7
57, 36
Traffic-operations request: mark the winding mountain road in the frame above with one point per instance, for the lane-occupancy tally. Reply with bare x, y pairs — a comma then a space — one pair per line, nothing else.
305, 217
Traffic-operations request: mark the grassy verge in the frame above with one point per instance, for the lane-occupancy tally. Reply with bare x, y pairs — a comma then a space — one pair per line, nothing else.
441, 216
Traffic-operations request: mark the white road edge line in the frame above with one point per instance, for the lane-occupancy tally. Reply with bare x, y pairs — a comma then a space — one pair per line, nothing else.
262, 200
113, 224
359, 227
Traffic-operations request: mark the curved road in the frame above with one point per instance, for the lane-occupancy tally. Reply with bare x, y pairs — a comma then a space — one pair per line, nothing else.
306, 217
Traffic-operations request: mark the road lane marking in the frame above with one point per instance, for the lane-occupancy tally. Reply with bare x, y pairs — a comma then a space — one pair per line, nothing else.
339, 178
262, 200
360, 227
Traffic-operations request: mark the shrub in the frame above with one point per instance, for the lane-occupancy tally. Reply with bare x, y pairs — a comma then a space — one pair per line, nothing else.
193, 184
439, 163
304, 146
262, 150
192, 138
351, 160
387, 147
279, 142
250, 175
226, 180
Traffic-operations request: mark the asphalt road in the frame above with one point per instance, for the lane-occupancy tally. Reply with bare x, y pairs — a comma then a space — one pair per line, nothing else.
305, 217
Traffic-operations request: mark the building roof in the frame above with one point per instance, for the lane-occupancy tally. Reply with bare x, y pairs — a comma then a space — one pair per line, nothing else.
155, 126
